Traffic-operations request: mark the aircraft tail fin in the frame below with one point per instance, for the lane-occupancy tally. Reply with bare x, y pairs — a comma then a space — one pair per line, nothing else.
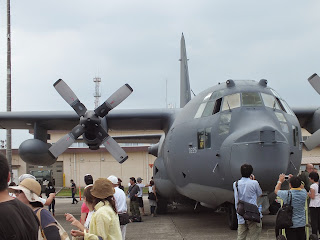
185, 93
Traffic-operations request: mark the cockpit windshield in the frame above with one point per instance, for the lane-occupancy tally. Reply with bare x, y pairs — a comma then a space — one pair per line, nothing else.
215, 102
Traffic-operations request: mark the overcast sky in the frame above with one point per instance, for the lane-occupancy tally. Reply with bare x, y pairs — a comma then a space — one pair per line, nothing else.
137, 42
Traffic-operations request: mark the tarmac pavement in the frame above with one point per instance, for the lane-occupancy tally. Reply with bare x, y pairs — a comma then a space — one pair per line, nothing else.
182, 223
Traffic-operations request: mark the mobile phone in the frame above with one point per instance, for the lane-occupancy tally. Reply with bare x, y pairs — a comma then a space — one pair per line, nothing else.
286, 177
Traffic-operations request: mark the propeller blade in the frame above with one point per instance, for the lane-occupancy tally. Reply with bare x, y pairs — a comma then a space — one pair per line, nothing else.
66, 141
114, 149
68, 95
314, 80
114, 100
313, 141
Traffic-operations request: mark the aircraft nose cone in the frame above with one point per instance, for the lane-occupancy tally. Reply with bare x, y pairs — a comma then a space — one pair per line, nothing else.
266, 150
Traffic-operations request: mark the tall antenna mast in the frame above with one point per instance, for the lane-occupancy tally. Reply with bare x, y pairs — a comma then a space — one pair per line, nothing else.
97, 93
9, 147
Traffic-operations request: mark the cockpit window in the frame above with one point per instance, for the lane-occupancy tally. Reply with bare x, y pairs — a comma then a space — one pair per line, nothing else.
286, 107
270, 101
217, 94
231, 101
200, 110
208, 110
206, 98
275, 93
251, 99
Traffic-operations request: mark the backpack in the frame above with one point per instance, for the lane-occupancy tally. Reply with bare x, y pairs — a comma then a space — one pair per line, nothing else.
63, 234
284, 215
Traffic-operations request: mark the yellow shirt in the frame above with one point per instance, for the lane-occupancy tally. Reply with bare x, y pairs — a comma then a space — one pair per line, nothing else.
104, 224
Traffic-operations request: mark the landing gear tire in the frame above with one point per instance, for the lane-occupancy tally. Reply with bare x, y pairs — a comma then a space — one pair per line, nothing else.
232, 217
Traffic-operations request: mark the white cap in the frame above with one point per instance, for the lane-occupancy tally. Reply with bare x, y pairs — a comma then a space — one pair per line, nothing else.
25, 176
113, 179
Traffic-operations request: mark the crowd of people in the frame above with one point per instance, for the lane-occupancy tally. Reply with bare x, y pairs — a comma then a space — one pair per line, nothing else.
104, 212
303, 188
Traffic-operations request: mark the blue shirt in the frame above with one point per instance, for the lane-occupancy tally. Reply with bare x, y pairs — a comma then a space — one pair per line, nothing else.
298, 202
249, 191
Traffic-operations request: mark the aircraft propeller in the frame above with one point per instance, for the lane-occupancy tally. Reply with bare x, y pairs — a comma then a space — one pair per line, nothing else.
90, 122
314, 140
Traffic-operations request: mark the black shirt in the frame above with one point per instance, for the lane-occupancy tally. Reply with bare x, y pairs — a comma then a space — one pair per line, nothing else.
17, 221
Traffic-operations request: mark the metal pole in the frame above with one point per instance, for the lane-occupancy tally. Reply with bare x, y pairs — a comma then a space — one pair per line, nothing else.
9, 147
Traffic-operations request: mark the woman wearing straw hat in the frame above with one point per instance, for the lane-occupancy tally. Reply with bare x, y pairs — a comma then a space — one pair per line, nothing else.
104, 223
28, 192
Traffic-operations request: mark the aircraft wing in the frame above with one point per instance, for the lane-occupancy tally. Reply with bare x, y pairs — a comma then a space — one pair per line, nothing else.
132, 119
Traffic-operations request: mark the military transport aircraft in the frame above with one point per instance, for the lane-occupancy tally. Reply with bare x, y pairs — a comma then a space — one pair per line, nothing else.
204, 143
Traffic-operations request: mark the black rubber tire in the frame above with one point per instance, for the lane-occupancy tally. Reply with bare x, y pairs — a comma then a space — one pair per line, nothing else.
232, 217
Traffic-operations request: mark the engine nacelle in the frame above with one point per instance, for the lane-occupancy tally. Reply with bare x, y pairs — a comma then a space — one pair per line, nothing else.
35, 152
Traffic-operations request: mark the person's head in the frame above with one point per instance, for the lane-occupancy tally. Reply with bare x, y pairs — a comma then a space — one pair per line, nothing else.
295, 182
88, 179
246, 170
132, 180
4, 173
139, 180
114, 180
28, 192
50, 184
102, 190
88, 198
25, 176
119, 181
314, 177
151, 183
315, 169
309, 168
71, 180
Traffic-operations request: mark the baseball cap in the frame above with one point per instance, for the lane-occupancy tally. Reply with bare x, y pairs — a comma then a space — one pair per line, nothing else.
113, 179
25, 176
31, 188
139, 179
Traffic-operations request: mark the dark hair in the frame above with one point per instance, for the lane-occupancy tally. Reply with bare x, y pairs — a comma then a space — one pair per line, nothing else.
12, 184
151, 183
94, 201
133, 179
4, 172
50, 184
88, 179
314, 176
71, 180
295, 181
246, 170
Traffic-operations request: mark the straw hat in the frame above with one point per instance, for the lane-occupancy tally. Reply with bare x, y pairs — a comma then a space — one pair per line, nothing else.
31, 188
102, 188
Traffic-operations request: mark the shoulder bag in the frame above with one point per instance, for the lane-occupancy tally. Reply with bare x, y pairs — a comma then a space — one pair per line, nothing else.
151, 196
247, 210
284, 215
63, 234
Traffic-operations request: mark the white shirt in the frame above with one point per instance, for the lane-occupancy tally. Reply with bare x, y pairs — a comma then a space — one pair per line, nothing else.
141, 186
88, 219
121, 201
316, 201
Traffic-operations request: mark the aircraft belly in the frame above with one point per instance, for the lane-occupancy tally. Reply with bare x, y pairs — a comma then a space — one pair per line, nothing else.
211, 196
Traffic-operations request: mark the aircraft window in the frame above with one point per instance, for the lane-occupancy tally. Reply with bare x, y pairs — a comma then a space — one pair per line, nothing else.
216, 95
200, 110
207, 97
270, 101
280, 117
251, 99
231, 101
217, 106
201, 139
284, 127
224, 123
286, 107
223, 129
207, 139
295, 135
208, 110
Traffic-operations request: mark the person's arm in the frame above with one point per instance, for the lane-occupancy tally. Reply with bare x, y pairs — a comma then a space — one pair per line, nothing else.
312, 193
83, 217
280, 181
74, 221
50, 199
51, 232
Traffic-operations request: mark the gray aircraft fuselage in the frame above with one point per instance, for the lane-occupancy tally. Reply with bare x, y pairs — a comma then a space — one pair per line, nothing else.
220, 129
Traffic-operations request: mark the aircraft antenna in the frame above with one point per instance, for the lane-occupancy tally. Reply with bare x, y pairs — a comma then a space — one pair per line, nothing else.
97, 92
193, 93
